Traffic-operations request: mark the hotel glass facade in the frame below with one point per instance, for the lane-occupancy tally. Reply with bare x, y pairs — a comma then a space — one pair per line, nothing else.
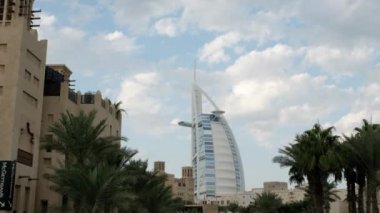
217, 166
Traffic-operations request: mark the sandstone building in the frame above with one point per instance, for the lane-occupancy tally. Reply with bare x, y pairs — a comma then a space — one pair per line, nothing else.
22, 66
32, 96
59, 98
181, 187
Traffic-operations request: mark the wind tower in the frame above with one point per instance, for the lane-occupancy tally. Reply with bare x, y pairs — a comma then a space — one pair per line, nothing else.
216, 161
22, 74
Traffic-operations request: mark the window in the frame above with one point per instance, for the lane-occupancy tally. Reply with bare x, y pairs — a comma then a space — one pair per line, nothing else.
1, 90
48, 137
27, 75
16, 197
36, 81
3, 48
27, 197
50, 118
47, 161
44, 206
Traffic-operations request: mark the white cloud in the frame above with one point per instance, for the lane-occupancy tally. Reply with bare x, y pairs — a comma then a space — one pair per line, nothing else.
72, 33
301, 113
148, 101
114, 42
114, 36
214, 51
47, 20
262, 137
80, 13
340, 60
218, 15
137, 94
348, 122
251, 96
265, 64
138, 15
167, 26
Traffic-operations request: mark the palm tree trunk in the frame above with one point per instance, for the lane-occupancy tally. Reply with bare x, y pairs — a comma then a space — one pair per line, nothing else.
368, 200
351, 194
361, 199
361, 183
107, 208
375, 207
316, 189
371, 191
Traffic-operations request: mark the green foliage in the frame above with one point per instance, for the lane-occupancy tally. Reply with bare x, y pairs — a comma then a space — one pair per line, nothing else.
267, 202
314, 156
304, 206
317, 155
98, 175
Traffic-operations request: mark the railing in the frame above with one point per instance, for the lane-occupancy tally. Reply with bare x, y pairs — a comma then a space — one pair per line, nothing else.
73, 96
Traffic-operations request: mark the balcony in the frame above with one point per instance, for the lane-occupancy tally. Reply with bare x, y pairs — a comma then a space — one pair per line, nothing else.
88, 98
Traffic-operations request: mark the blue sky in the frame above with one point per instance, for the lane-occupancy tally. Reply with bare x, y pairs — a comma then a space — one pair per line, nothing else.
276, 68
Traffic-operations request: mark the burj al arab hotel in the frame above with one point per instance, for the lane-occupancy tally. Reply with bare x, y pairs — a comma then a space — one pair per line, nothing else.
217, 166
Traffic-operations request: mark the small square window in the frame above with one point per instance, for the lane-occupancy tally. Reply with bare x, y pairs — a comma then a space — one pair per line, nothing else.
50, 118
48, 137
47, 161
3, 47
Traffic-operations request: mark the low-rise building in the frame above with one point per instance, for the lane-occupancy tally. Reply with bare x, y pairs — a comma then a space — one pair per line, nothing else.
60, 98
182, 187
287, 195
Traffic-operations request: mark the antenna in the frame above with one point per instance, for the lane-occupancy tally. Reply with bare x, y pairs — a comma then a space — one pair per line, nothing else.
195, 71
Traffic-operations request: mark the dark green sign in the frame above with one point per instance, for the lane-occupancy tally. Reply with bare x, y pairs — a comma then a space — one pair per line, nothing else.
7, 183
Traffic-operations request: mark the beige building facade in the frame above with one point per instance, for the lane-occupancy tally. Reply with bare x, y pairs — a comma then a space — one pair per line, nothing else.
29, 103
59, 98
22, 66
182, 187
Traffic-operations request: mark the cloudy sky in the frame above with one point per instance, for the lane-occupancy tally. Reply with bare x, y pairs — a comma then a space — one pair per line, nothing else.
276, 67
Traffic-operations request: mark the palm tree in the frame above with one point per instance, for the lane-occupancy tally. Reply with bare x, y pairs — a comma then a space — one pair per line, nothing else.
95, 189
304, 206
94, 166
367, 150
350, 172
118, 109
267, 202
313, 156
79, 139
153, 195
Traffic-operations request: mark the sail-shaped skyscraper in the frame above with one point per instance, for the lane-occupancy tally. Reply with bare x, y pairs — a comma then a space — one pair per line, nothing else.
217, 166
